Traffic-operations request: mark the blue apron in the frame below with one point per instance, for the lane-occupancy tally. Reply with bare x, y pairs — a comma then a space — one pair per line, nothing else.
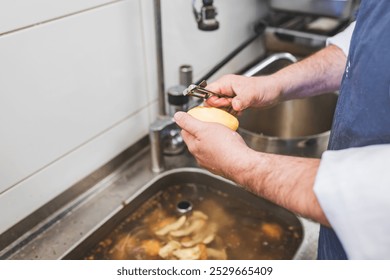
362, 114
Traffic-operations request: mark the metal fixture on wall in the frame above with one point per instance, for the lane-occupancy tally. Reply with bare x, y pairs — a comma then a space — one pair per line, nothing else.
176, 100
206, 17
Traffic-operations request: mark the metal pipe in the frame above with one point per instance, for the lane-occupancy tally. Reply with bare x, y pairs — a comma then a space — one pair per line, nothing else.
268, 61
160, 61
185, 75
259, 30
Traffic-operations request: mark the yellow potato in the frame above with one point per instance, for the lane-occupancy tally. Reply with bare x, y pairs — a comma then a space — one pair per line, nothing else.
212, 114
151, 247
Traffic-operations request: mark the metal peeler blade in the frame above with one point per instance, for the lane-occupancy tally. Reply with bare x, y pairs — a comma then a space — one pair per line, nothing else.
200, 91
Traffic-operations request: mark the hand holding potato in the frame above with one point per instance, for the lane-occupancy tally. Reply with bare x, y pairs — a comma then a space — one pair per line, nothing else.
215, 146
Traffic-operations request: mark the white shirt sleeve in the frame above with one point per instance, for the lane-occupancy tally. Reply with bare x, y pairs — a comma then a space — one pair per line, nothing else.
353, 189
342, 39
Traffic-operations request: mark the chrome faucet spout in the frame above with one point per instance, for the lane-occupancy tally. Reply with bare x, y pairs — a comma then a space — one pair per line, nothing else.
165, 139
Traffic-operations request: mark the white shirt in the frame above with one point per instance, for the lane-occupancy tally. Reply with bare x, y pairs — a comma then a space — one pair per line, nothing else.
343, 39
353, 189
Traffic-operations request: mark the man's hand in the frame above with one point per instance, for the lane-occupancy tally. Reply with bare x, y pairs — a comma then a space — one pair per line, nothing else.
215, 147
245, 91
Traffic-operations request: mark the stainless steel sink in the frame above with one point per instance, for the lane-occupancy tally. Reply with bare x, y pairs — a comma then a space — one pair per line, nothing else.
236, 211
74, 230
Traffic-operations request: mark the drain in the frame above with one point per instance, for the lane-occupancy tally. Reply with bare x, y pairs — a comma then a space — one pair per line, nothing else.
184, 206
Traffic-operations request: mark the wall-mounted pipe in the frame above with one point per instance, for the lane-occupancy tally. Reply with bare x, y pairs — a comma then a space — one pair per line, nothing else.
160, 60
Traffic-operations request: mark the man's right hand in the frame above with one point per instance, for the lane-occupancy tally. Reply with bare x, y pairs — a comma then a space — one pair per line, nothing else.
245, 91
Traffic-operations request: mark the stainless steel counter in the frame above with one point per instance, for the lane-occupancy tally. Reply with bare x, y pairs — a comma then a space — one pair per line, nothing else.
62, 231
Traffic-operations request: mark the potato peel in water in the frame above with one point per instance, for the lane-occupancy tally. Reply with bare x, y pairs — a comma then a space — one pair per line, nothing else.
212, 114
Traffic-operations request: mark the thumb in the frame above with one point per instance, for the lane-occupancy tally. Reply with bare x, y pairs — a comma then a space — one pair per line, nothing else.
238, 104
188, 123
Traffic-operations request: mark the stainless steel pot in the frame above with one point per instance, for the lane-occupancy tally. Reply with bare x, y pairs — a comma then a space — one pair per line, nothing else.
297, 127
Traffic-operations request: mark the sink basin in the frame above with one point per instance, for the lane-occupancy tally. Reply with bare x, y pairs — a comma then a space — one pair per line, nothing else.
232, 223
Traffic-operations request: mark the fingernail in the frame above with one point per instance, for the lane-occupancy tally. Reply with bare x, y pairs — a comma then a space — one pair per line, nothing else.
178, 115
236, 103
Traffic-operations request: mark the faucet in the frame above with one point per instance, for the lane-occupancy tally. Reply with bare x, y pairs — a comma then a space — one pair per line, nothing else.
158, 131
164, 134
206, 17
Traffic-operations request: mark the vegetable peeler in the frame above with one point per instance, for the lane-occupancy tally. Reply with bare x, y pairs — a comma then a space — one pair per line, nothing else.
199, 91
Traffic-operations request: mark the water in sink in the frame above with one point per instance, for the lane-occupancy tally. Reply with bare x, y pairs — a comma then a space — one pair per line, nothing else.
219, 225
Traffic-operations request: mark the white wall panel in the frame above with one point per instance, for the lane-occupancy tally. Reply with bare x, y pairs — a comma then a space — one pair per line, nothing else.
35, 191
65, 82
16, 14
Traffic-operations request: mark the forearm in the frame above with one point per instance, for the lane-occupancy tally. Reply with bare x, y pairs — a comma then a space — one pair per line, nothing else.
284, 180
322, 72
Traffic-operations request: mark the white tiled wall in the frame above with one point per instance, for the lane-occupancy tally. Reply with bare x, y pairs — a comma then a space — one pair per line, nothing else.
17, 14
73, 94
78, 84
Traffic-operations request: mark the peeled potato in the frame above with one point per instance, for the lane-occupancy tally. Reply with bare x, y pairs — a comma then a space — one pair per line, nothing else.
212, 114
273, 231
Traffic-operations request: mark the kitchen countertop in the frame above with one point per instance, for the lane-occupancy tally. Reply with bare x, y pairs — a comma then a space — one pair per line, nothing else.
56, 236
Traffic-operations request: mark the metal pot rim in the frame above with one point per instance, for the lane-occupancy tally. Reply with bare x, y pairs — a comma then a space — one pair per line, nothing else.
277, 138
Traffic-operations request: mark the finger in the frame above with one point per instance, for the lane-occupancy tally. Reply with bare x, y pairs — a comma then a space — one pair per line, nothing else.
238, 105
218, 102
223, 85
214, 87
